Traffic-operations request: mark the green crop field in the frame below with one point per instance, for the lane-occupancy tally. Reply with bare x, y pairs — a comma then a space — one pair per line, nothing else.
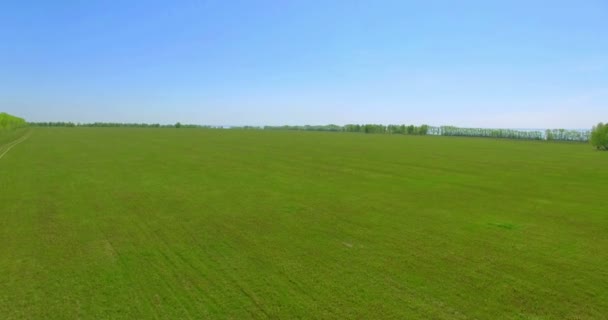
110, 223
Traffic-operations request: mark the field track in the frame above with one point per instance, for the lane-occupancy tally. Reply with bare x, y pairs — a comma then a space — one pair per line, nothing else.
6, 148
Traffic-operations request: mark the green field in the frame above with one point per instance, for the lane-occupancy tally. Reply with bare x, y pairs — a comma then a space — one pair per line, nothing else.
190, 223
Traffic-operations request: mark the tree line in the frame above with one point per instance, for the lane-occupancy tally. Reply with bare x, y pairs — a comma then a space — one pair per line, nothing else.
568, 135
486, 133
118, 125
360, 128
549, 134
8, 121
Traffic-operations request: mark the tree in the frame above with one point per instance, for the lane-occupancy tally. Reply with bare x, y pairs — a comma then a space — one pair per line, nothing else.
599, 136
424, 129
8, 121
178, 125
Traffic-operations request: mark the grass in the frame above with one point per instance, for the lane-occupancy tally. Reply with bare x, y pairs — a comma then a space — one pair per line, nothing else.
178, 223
9, 135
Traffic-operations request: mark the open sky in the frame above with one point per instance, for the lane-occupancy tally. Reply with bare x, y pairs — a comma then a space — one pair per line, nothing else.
515, 64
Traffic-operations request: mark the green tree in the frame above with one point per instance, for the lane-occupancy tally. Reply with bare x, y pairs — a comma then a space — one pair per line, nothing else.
178, 125
599, 136
8, 121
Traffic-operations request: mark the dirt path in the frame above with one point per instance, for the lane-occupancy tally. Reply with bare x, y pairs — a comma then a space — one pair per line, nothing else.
14, 143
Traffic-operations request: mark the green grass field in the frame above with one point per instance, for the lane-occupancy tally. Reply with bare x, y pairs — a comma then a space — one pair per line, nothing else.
187, 223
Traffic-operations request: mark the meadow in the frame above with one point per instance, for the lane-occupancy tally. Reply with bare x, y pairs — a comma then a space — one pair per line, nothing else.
129, 223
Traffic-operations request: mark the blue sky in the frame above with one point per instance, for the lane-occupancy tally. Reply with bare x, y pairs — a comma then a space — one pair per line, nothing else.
516, 64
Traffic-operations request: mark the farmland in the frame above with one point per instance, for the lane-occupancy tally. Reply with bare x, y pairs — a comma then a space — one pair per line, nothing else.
194, 223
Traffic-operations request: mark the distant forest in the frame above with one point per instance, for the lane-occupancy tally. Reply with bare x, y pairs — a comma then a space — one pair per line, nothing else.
549, 134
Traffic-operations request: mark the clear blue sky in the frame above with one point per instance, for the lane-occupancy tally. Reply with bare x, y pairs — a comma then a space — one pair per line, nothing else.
517, 64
